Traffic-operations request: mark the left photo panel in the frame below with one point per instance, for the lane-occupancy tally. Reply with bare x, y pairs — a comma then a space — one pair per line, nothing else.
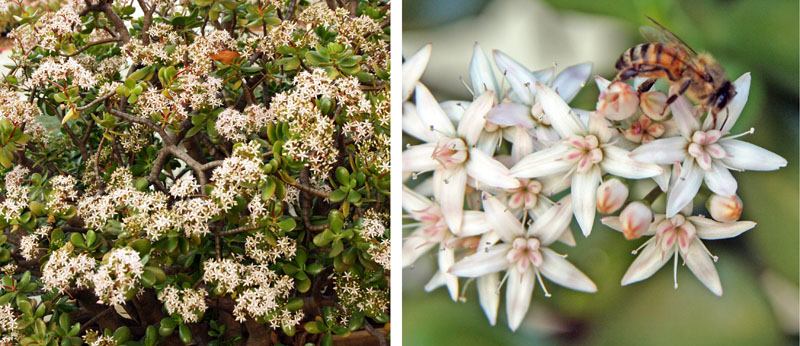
204, 172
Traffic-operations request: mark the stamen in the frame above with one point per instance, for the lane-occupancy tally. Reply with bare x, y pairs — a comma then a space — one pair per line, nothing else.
675, 271
715, 258
748, 132
541, 283
643, 245
463, 296
505, 277
471, 92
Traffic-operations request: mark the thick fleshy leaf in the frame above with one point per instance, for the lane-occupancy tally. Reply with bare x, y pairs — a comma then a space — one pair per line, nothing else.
584, 199
450, 194
500, 218
490, 260
685, 188
446, 259
511, 114
519, 292
665, 151
617, 161
413, 201
474, 223
413, 69
489, 171
543, 163
710, 229
419, 158
646, 264
747, 156
700, 263
481, 74
474, 118
519, 77
720, 181
413, 125
558, 112
683, 114
564, 273
550, 225
489, 295
432, 114
571, 80
414, 246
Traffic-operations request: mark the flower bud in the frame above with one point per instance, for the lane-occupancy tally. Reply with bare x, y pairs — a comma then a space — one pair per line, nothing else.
635, 219
725, 209
618, 102
653, 103
611, 195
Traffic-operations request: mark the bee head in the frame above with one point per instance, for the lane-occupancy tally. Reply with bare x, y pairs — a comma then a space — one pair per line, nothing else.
723, 96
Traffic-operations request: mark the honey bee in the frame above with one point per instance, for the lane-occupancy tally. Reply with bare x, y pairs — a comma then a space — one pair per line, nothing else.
668, 57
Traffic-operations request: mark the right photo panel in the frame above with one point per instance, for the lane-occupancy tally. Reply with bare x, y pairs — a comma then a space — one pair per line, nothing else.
604, 174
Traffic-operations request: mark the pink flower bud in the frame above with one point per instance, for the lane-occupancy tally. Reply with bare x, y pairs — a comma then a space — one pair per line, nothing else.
725, 209
611, 195
618, 102
635, 219
652, 104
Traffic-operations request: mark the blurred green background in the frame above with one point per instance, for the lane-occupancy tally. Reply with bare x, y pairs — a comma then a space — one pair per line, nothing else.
759, 270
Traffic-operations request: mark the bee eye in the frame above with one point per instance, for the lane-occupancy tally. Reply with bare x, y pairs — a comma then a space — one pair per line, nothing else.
722, 100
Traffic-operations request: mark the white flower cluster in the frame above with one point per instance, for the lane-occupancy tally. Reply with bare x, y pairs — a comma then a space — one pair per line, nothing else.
373, 224
194, 214
257, 248
184, 186
63, 268
203, 47
242, 168
60, 69
189, 303
16, 107
63, 191
16, 196
8, 322
509, 220
53, 26
117, 277
381, 253
354, 296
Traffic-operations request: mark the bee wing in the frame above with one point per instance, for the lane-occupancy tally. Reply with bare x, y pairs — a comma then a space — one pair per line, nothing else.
661, 34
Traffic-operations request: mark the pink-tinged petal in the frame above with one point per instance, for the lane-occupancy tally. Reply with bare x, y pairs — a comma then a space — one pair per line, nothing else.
489, 171
511, 114
564, 273
584, 189
685, 187
710, 229
571, 80
446, 259
455, 109
720, 181
490, 260
480, 72
700, 263
567, 238
602, 83
474, 118
663, 151
449, 192
617, 161
474, 223
683, 114
489, 141
413, 69
612, 222
558, 112
413, 201
735, 107
600, 127
413, 125
415, 246
438, 280
519, 291
432, 114
419, 158
549, 227
646, 264
747, 156
487, 240
519, 77
663, 179
489, 295
500, 218
542, 163
523, 143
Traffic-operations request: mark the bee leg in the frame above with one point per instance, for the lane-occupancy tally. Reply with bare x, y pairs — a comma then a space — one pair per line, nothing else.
644, 87
674, 96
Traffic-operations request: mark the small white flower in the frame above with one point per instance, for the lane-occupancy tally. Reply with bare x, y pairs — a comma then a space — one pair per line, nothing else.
413, 69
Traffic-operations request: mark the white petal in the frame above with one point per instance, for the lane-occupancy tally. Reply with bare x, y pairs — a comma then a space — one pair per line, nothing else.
720, 181
663, 179
558, 112
686, 186
564, 273
747, 156
446, 259
617, 161
413, 125
438, 280
414, 246
500, 218
511, 114
549, 227
542, 163
451, 186
734, 109
455, 109
544, 75
474, 223
474, 118
571, 80
710, 229
480, 72
432, 114
663, 151
413, 69
519, 77
683, 113
419, 158
413, 201
491, 260
519, 292
523, 143
700, 263
488, 142
567, 238
612, 222
599, 126
584, 199
489, 171
602, 83
646, 264
489, 295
